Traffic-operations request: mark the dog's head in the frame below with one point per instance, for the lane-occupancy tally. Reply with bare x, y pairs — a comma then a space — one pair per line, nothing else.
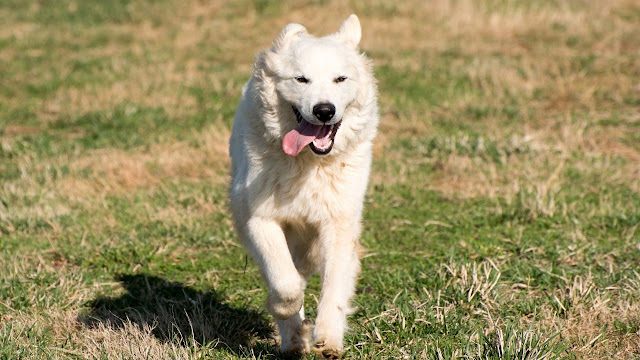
324, 90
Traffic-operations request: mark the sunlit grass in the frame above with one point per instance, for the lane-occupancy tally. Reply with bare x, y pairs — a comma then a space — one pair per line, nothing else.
501, 221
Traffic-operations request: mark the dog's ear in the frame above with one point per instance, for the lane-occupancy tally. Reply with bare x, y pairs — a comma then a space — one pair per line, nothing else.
287, 34
350, 31
268, 59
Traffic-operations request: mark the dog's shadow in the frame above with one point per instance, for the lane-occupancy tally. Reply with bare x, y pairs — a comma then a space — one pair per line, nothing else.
180, 314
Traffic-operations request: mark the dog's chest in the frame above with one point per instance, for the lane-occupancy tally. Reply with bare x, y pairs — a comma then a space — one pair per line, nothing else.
317, 194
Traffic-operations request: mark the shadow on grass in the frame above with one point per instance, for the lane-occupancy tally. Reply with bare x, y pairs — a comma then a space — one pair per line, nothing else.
178, 314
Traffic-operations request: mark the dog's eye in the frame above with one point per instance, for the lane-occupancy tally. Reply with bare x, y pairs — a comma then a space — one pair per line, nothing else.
339, 79
302, 79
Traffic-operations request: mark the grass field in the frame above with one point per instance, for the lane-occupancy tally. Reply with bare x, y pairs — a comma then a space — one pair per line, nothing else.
501, 219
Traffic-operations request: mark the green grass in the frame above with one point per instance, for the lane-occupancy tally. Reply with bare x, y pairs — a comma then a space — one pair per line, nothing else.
501, 221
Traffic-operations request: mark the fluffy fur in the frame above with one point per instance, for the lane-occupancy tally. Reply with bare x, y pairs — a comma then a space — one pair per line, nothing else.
300, 215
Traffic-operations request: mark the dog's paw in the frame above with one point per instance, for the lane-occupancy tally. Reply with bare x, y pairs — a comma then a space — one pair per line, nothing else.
294, 353
298, 342
328, 349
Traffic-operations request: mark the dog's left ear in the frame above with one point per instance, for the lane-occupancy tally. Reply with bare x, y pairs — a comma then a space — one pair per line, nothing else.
350, 31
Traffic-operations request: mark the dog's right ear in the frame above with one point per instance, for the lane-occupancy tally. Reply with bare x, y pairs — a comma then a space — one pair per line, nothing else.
287, 34
268, 60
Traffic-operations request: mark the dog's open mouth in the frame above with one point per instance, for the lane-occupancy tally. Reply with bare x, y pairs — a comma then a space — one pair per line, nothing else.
318, 137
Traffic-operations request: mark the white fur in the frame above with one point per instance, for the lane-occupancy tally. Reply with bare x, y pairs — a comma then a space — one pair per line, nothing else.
301, 215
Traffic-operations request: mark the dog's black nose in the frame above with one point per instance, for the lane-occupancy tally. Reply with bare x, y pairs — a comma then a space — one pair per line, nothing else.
324, 112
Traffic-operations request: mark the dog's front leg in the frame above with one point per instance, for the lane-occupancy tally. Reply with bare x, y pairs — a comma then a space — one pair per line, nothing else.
267, 244
340, 269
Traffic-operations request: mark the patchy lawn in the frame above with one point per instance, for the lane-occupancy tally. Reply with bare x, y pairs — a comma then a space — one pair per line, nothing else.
501, 220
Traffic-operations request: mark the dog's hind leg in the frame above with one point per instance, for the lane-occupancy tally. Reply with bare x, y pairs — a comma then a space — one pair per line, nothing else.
294, 334
266, 242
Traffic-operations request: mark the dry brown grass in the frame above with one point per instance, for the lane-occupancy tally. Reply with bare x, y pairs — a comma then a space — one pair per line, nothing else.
114, 172
588, 322
118, 170
131, 341
531, 41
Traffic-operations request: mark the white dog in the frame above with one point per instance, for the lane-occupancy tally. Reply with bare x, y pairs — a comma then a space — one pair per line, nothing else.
300, 157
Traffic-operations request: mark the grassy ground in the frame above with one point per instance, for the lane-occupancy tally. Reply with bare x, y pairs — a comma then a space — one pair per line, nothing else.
501, 221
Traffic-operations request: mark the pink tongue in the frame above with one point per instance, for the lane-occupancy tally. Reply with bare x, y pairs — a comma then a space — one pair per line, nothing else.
298, 138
